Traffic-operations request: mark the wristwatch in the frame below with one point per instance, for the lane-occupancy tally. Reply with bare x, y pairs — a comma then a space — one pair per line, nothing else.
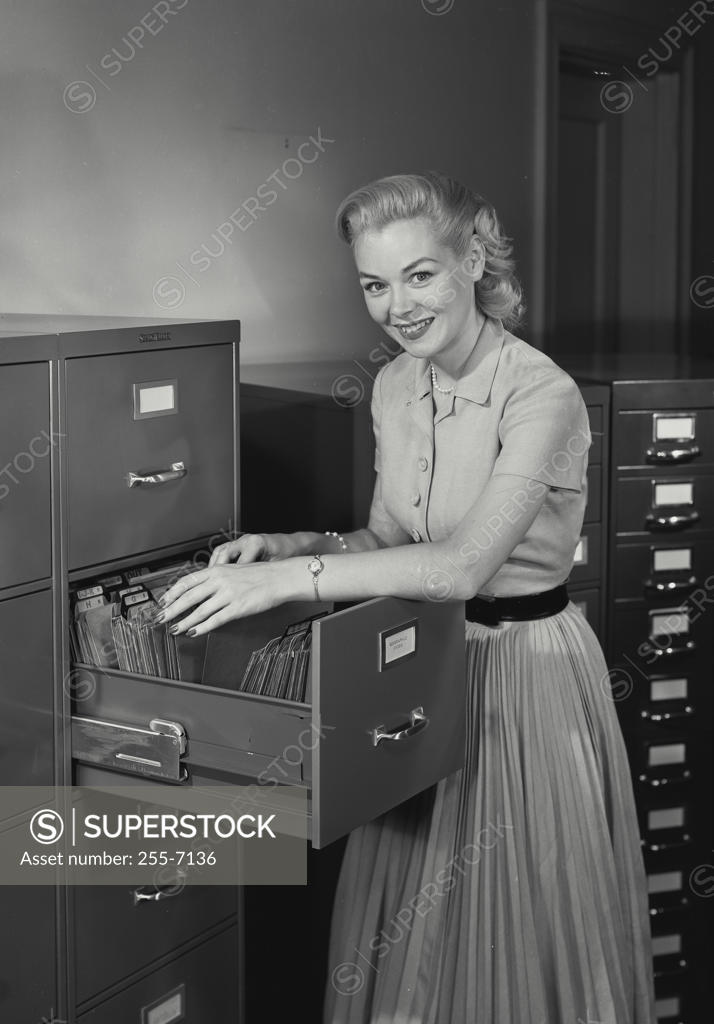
315, 566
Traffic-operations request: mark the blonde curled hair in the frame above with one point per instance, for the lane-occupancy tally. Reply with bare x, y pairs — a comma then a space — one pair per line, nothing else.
456, 214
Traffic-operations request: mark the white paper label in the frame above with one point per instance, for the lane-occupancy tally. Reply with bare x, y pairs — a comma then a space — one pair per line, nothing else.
674, 428
156, 398
398, 645
666, 559
581, 552
668, 689
666, 753
666, 945
664, 881
170, 1010
666, 817
673, 494
668, 1007
669, 622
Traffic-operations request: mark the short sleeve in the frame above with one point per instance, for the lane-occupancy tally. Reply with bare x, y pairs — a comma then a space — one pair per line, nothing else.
381, 522
544, 431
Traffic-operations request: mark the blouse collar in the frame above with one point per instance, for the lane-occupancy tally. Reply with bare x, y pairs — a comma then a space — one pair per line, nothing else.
477, 379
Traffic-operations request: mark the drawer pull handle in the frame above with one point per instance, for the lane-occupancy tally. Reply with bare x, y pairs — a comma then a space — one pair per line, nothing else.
671, 652
418, 722
671, 586
673, 454
177, 470
662, 909
667, 716
677, 521
665, 780
156, 893
662, 847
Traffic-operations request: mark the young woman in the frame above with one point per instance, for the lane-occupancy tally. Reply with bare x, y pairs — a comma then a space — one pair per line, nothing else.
513, 892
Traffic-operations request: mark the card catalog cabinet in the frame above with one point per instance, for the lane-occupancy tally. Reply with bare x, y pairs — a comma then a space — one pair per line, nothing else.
661, 650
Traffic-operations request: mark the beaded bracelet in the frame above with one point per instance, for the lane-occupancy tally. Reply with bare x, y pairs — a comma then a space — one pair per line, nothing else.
340, 538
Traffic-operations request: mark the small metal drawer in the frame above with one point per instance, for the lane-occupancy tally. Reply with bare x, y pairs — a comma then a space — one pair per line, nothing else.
201, 985
665, 569
587, 565
593, 507
332, 746
26, 445
660, 505
587, 601
663, 437
151, 450
596, 431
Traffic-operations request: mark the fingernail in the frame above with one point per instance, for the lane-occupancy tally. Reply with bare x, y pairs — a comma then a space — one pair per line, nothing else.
174, 630
162, 601
161, 617
191, 632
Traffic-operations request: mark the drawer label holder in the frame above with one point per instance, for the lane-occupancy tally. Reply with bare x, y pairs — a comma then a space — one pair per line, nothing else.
153, 753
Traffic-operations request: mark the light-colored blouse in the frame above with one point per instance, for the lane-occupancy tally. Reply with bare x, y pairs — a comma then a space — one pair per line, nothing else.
513, 411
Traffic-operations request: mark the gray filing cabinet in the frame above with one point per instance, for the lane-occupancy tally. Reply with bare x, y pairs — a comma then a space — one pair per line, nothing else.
28, 969
146, 467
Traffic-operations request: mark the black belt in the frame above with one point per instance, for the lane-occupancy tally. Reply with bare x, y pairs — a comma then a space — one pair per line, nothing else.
530, 606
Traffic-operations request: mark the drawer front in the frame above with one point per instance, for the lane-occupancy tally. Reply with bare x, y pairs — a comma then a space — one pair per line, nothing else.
593, 508
364, 683
664, 570
329, 745
120, 435
664, 437
136, 928
664, 505
587, 565
596, 430
27, 950
587, 601
200, 987
26, 698
25, 447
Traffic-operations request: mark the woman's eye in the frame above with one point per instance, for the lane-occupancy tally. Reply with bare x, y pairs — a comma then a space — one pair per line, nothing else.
374, 287
421, 276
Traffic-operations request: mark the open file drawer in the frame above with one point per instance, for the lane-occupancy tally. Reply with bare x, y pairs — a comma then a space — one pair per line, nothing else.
386, 719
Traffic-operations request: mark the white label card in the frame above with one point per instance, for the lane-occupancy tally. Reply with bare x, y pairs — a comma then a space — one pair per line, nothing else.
664, 881
667, 817
398, 645
666, 945
669, 622
581, 552
673, 494
667, 559
155, 398
668, 689
665, 1008
168, 1010
674, 428
667, 753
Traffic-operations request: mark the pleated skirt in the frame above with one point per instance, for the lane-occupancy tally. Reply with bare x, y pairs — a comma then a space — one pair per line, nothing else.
513, 891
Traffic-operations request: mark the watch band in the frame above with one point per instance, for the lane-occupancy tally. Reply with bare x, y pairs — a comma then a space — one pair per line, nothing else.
315, 566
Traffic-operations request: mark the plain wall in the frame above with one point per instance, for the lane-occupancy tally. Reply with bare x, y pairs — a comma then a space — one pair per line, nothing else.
110, 188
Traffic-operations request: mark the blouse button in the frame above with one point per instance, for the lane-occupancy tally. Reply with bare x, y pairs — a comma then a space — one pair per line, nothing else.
415, 499
416, 536
422, 463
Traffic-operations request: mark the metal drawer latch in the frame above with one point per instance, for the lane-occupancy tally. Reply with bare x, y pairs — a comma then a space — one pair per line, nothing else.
154, 753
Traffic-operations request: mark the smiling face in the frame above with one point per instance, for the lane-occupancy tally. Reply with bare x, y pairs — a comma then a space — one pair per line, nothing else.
420, 291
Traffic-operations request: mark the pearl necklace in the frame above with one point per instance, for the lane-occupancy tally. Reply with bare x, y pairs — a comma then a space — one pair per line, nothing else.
443, 391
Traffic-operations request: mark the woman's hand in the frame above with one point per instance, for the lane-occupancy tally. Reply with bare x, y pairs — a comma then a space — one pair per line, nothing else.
251, 547
219, 594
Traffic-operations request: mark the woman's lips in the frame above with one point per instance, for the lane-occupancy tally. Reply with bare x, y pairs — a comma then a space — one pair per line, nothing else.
416, 329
